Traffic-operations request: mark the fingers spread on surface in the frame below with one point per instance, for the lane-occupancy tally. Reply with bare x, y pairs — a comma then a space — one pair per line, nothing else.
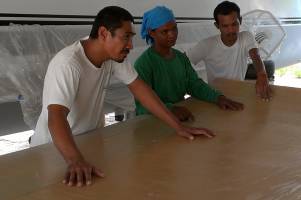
81, 174
98, 172
79, 177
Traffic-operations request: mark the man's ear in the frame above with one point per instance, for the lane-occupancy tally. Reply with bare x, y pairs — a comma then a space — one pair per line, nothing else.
240, 19
102, 33
216, 25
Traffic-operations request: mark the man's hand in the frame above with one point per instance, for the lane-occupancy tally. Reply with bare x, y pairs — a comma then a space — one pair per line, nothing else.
191, 132
151, 101
182, 113
227, 104
79, 173
263, 89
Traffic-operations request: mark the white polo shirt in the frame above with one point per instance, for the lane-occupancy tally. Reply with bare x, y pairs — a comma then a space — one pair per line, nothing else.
222, 61
74, 82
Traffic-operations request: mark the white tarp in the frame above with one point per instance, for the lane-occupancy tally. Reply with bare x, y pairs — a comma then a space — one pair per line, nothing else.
25, 51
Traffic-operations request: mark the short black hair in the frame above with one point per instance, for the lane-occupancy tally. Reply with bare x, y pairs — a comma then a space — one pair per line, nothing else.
111, 18
225, 8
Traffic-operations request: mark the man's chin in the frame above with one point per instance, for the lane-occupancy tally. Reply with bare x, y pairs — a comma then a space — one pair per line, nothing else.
233, 36
119, 60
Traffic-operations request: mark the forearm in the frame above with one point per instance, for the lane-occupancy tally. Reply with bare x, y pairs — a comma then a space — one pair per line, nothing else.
197, 88
145, 95
260, 70
141, 110
63, 139
257, 62
262, 83
201, 90
259, 66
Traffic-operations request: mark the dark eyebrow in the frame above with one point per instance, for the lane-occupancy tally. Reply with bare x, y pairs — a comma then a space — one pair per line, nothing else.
130, 32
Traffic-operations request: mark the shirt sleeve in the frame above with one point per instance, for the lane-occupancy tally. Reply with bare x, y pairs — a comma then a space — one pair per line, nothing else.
250, 41
61, 85
124, 72
197, 53
197, 88
145, 73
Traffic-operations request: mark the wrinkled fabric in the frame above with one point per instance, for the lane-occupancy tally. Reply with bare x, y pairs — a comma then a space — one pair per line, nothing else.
153, 19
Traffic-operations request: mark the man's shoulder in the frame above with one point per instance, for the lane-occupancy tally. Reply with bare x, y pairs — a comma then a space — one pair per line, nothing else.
210, 39
207, 42
68, 51
246, 34
67, 57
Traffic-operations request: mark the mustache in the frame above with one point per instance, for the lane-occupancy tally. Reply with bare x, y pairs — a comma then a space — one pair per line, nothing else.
232, 34
125, 51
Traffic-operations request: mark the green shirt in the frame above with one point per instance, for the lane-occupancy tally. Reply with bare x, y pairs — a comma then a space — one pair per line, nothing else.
171, 79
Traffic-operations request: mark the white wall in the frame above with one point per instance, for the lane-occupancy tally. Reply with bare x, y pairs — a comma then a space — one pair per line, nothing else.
182, 8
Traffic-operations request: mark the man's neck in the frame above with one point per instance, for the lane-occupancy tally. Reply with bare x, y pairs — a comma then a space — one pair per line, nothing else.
164, 52
228, 42
94, 52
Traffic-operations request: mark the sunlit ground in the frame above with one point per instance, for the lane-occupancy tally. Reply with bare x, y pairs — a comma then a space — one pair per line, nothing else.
289, 76
19, 141
14, 142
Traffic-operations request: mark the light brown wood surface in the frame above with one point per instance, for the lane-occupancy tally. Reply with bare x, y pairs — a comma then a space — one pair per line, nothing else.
256, 155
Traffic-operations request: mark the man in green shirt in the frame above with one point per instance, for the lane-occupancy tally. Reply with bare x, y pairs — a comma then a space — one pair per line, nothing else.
168, 71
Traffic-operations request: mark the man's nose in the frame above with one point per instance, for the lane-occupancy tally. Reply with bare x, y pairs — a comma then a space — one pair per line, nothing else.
232, 29
130, 44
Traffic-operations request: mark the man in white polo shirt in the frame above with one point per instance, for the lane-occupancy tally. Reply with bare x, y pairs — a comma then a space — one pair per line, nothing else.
226, 55
75, 86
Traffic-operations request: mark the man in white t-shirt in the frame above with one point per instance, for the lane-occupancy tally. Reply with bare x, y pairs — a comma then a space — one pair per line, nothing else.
226, 55
75, 86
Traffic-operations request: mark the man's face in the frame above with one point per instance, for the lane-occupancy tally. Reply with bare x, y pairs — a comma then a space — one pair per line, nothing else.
166, 35
119, 44
228, 25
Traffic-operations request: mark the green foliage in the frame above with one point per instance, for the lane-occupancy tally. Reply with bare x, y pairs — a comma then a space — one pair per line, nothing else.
282, 71
297, 73
293, 71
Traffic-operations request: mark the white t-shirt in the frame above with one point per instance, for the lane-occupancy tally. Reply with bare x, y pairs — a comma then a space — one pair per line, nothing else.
74, 82
222, 61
